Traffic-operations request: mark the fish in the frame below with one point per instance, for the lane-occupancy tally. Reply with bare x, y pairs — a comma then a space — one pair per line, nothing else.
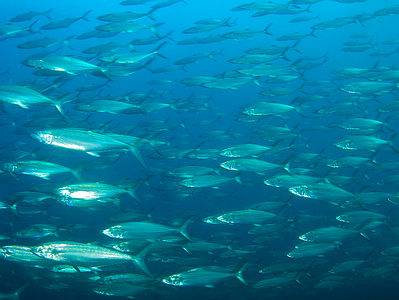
121, 285
144, 230
11, 31
328, 235
322, 191
268, 109
91, 193
29, 15
41, 169
25, 97
87, 255
64, 65
251, 165
312, 249
244, 150
64, 23
249, 216
213, 181
207, 276
89, 142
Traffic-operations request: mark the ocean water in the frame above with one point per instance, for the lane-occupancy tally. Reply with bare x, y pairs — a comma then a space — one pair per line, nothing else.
161, 149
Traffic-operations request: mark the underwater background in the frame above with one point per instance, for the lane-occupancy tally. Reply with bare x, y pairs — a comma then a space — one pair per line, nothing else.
174, 149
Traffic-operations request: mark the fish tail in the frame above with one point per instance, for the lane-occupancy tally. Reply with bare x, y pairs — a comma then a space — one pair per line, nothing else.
77, 174
58, 106
266, 30
184, 229
139, 260
13, 208
135, 151
84, 16
156, 50
30, 28
238, 179
47, 13
239, 274
19, 291
132, 193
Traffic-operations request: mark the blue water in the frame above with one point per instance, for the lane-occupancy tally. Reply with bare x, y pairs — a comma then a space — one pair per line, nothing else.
204, 119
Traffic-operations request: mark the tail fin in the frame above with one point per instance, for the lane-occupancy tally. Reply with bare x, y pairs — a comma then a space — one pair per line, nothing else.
229, 22
266, 30
132, 192
30, 28
59, 108
184, 229
17, 293
287, 167
139, 260
135, 151
77, 174
156, 50
58, 104
238, 179
239, 274
84, 16
47, 13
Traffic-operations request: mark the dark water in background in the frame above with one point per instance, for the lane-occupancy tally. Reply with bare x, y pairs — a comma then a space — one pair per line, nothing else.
193, 126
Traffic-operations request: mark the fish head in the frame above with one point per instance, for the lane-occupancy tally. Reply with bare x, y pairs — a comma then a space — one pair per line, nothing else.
342, 218
64, 192
114, 232
226, 152
35, 63
175, 280
4, 253
302, 191
345, 145
333, 164
272, 182
305, 237
249, 111
43, 251
230, 165
44, 137
212, 220
10, 167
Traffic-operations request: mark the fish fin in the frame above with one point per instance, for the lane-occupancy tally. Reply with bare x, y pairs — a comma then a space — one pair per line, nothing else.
287, 168
132, 193
77, 174
47, 13
266, 29
59, 108
238, 179
184, 229
76, 268
139, 260
363, 234
19, 291
13, 208
84, 16
93, 154
239, 274
43, 176
186, 250
30, 28
21, 105
135, 151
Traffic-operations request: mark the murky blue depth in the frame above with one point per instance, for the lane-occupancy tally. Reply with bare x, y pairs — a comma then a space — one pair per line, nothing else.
198, 149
